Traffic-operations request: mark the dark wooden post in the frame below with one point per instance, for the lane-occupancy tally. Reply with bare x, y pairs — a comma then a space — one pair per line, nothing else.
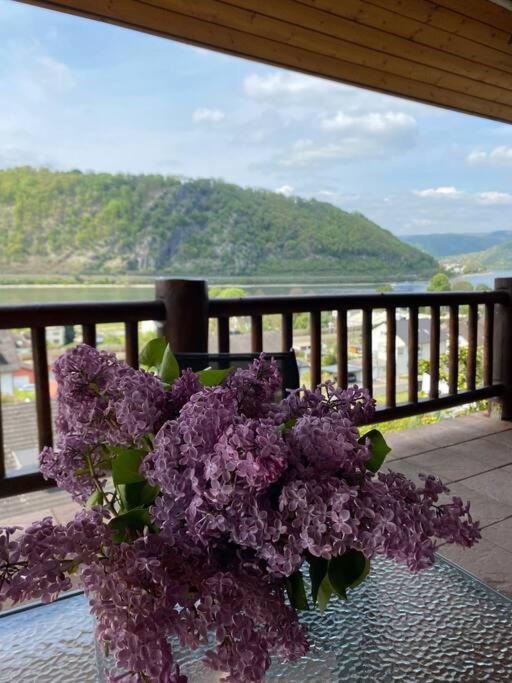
186, 306
502, 346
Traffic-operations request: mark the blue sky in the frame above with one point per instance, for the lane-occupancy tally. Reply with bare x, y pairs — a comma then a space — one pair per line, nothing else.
82, 94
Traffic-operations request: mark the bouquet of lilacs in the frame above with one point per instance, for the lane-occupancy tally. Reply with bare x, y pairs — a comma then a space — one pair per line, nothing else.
205, 504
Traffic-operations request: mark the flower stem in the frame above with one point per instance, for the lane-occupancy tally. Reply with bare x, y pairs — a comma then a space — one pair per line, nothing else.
98, 486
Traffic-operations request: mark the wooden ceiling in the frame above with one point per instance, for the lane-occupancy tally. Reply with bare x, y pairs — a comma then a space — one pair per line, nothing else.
451, 53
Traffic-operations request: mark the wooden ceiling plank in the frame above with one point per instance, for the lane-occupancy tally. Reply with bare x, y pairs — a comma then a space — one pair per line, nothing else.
135, 14
323, 35
430, 12
360, 12
484, 11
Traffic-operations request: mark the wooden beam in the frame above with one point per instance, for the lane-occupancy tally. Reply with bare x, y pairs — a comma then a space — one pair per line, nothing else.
301, 24
433, 14
231, 28
484, 11
396, 25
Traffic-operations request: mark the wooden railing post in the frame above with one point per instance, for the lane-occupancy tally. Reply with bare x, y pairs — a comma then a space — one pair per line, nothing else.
502, 346
186, 307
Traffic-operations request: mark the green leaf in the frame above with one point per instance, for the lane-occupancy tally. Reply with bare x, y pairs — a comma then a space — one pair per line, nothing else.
337, 581
348, 571
169, 368
286, 426
95, 498
149, 493
296, 591
140, 494
379, 449
125, 465
153, 352
211, 378
317, 573
130, 495
324, 593
132, 521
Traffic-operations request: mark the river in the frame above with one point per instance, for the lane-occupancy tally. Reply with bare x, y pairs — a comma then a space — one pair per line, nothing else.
27, 294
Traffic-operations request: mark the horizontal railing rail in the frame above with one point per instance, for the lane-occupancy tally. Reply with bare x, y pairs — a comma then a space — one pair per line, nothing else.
88, 313
263, 305
184, 311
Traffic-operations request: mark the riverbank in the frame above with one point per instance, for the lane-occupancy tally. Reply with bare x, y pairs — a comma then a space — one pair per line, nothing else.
30, 293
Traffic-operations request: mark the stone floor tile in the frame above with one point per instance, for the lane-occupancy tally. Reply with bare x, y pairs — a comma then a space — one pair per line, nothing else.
452, 463
25, 519
405, 467
64, 513
496, 484
500, 534
485, 509
492, 452
487, 561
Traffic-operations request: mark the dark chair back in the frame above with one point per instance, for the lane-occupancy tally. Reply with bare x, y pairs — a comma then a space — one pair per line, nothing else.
286, 362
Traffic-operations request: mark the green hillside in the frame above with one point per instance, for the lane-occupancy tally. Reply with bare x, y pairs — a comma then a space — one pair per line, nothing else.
498, 257
442, 245
100, 223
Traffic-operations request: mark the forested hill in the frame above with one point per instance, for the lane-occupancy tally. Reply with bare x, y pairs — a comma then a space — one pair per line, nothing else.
90, 222
442, 245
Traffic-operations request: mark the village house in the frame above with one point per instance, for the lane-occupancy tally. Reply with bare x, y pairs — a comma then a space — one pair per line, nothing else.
13, 374
379, 337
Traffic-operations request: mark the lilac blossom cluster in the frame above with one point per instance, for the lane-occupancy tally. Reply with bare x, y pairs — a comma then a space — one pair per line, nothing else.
104, 402
245, 491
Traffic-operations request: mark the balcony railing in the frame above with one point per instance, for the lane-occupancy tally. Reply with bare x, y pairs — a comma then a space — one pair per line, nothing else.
184, 311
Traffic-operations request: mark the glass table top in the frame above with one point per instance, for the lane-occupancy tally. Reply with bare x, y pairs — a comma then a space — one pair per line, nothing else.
438, 625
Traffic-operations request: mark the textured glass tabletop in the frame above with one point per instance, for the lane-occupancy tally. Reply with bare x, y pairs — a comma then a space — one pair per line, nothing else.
439, 625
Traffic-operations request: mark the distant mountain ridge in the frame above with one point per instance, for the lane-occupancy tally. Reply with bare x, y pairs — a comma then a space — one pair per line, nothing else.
71, 222
452, 244
498, 257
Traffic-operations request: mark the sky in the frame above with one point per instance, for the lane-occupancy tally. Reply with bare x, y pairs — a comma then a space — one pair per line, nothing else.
81, 94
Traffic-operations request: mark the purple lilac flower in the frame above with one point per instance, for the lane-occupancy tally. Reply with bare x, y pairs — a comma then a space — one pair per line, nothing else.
255, 387
71, 464
400, 520
327, 444
353, 403
248, 488
103, 400
181, 392
34, 564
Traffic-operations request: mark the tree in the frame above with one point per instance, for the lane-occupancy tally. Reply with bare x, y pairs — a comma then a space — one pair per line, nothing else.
227, 293
69, 334
462, 286
439, 283
386, 288
444, 367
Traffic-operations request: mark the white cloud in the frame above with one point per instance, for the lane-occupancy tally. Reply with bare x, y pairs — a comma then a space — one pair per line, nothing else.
499, 156
285, 189
204, 115
277, 84
440, 192
494, 198
488, 198
39, 77
346, 137
309, 153
422, 222
326, 193
373, 123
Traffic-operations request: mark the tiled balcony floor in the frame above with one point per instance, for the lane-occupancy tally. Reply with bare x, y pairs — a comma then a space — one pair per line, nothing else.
472, 454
